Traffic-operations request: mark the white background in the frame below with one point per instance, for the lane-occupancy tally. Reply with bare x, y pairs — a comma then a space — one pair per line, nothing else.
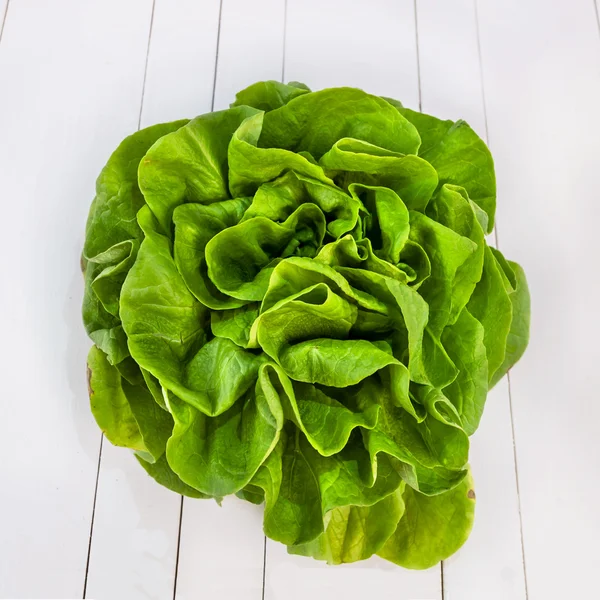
80, 517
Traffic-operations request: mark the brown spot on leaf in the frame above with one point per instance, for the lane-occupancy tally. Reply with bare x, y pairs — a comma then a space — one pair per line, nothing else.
82, 264
89, 380
471, 494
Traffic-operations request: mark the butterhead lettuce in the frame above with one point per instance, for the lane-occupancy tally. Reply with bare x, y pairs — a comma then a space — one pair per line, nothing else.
293, 301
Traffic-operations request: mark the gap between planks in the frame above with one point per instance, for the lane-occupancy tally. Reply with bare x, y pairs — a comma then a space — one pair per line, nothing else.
4, 20
212, 107
496, 238
89, 551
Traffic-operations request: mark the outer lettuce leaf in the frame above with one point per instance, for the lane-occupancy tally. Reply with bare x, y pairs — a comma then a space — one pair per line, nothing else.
190, 165
109, 403
118, 196
126, 412
432, 528
490, 304
459, 156
162, 473
112, 239
518, 336
355, 533
301, 486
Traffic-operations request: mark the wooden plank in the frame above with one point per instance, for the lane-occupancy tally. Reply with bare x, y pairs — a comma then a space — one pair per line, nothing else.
71, 76
290, 577
541, 69
449, 66
490, 565
250, 47
370, 45
181, 62
136, 522
136, 525
226, 545
322, 51
221, 550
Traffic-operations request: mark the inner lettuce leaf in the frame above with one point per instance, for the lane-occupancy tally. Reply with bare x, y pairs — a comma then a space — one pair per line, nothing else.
293, 301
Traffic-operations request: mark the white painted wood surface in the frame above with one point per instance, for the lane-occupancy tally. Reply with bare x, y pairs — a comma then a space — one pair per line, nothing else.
70, 82
541, 65
451, 87
77, 76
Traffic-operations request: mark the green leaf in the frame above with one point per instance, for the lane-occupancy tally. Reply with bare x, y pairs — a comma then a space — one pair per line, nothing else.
301, 486
465, 343
109, 403
518, 336
277, 200
125, 410
326, 421
293, 514
411, 177
388, 226
314, 122
354, 533
240, 259
268, 95
162, 473
490, 304
459, 156
295, 275
118, 196
190, 164
441, 290
155, 424
164, 323
104, 329
432, 528
432, 452
220, 455
251, 166
235, 324
195, 226
453, 209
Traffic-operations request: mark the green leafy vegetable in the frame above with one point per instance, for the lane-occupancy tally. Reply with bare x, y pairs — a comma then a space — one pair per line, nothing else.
293, 301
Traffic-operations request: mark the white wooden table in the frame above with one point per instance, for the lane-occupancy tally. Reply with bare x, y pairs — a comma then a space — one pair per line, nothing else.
79, 518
